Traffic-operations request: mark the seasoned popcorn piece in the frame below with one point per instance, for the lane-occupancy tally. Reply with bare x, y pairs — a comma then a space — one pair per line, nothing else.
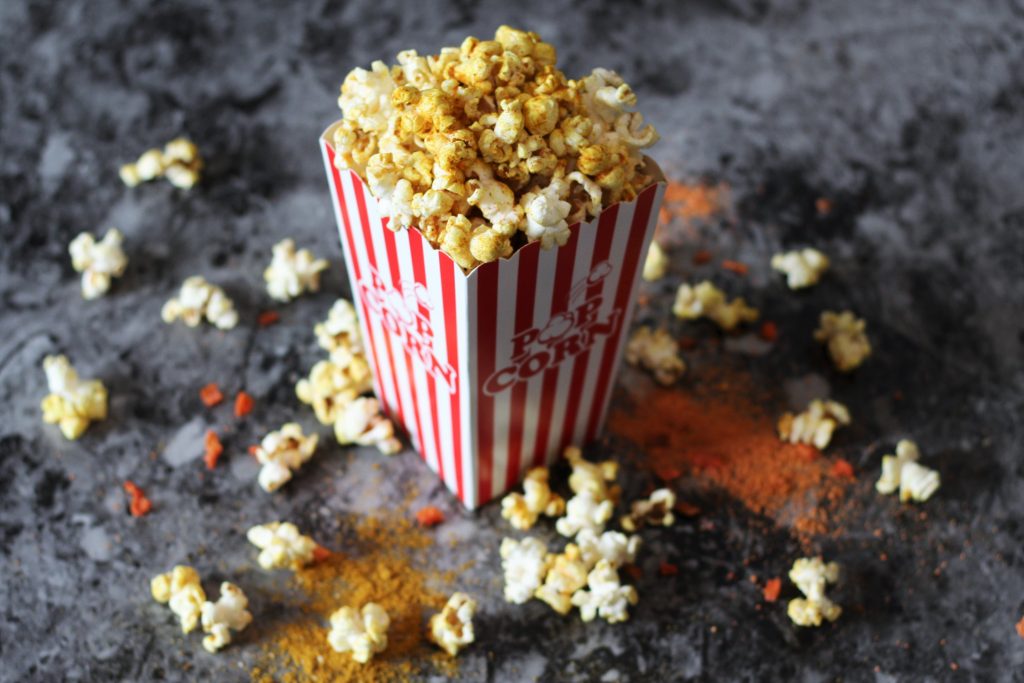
331, 386
179, 162
281, 453
706, 300
198, 299
181, 591
452, 628
98, 262
802, 268
811, 576
566, 575
653, 511
657, 351
614, 547
525, 564
282, 546
902, 471
844, 334
607, 597
363, 632
814, 425
361, 422
339, 335
594, 478
72, 403
656, 263
291, 272
523, 509
584, 511
228, 614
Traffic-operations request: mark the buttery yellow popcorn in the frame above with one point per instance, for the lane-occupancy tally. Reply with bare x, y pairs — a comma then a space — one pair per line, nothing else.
179, 162
98, 262
656, 263
281, 453
614, 547
655, 510
339, 335
607, 597
331, 386
595, 478
811, 576
181, 591
452, 628
914, 481
281, 545
198, 299
291, 272
363, 632
802, 268
537, 498
707, 301
657, 351
72, 403
361, 422
525, 564
814, 425
228, 614
566, 575
845, 337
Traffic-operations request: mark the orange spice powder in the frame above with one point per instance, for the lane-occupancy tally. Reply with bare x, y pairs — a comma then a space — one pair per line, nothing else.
694, 201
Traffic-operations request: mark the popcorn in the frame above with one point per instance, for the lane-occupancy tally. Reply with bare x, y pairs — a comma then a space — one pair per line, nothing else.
452, 628
902, 471
228, 614
339, 334
566, 575
179, 162
847, 342
361, 422
614, 547
291, 272
656, 263
657, 351
523, 509
180, 590
72, 403
331, 386
815, 424
584, 511
607, 597
811, 575
706, 300
592, 477
198, 299
654, 511
282, 546
525, 564
98, 262
363, 632
802, 268
281, 453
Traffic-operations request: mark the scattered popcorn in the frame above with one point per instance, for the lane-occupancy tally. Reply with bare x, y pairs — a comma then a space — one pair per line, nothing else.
361, 422
847, 342
452, 628
656, 263
566, 575
615, 547
653, 511
523, 509
802, 268
525, 563
592, 477
281, 453
706, 300
811, 575
179, 162
180, 590
607, 597
72, 403
657, 351
363, 632
282, 546
291, 272
902, 471
331, 386
228, 614
814, 425
98, 262
197, 299
584, 511
339, 335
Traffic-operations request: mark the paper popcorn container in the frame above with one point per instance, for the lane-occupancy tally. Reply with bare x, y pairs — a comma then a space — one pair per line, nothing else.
496, 371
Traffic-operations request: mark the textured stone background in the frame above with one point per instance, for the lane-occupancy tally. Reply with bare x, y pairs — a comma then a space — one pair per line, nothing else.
909, 116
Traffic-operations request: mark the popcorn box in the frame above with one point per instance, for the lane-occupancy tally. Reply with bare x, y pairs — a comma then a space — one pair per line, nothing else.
496, 371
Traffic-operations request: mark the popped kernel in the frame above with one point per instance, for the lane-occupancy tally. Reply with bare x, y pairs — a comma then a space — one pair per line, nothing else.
361, 422
802, 268
180, 590
292, 272
656, 263
228, 614
846, 339
584, 511
914, 481
282, 546
331, 386
179, 162
281, 453
614, 547
566, 575
607, 597
452, 628
707, 301
339, 334
363, 632
537, 498
525, 564
198, 299
72, 403
657, 351
595, 478
815, 424
656, 510
811, 575
98, 262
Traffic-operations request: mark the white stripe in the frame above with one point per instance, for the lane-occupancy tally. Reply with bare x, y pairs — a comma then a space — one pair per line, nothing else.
466, 290
442, 396
508, 273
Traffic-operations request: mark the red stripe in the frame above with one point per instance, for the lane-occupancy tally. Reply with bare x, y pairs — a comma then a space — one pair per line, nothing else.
637, 232
526, 288
451, 335
487, 323
419, 273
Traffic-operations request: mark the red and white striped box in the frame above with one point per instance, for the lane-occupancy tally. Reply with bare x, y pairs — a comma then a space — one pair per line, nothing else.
497, 371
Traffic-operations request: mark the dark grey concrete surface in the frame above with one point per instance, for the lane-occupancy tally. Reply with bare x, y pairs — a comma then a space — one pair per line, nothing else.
908, 115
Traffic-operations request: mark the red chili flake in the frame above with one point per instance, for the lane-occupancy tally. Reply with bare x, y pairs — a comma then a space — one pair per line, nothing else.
808, 453
668, 569
634, 571
687, 509
737, 267
211, 395
139, 504
320, 554
214, 448
268, 318
243, 404
429, 516
688, 343
1020, 627
667, 473
843, 469
701, 256
642, 300
823, 206
769, 331
253, 449
772, 588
